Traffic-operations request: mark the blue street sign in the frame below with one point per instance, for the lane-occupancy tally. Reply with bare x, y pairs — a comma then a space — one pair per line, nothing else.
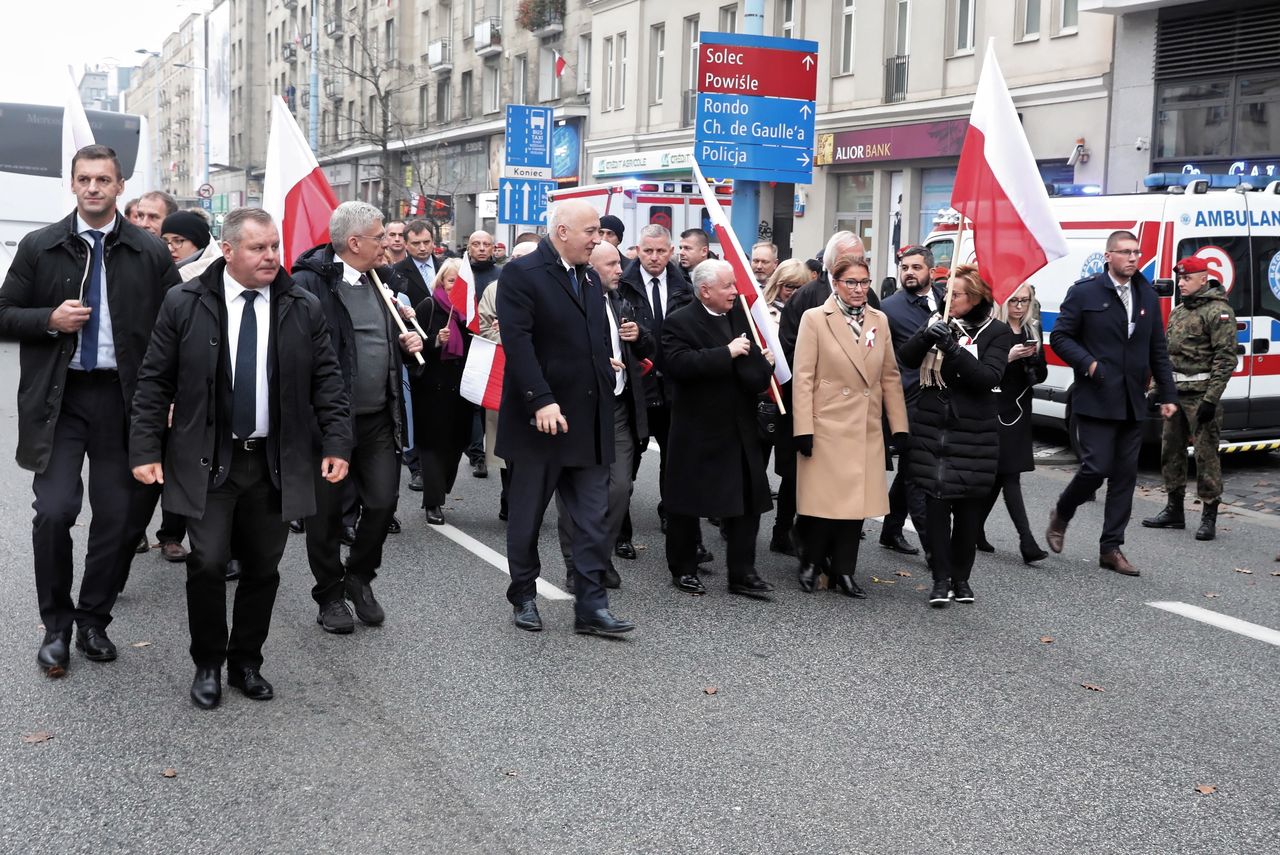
716, 157
523, 202
751, 120
528, 137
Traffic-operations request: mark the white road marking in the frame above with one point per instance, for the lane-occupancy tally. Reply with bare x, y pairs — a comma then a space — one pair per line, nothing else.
1242, 627
497, 559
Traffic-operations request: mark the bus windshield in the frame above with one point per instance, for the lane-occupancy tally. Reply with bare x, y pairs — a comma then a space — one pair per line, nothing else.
31, 138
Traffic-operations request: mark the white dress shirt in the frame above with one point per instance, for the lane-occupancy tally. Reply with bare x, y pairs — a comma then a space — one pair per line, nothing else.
427, 269
620, 377
106, 344
232, 292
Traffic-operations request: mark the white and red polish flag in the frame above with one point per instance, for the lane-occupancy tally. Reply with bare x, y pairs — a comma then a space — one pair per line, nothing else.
76, 133
999, 189
482, 375
464, 297
294, 190
743, 277
561, 65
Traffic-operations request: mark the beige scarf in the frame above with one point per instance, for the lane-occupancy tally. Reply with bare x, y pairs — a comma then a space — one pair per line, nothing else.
931, 367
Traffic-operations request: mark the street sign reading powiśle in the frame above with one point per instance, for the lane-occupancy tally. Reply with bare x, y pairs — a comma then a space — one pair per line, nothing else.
522, 201
755, 107
528, 138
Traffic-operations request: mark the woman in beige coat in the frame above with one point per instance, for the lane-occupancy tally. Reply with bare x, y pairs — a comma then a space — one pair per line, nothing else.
846, 381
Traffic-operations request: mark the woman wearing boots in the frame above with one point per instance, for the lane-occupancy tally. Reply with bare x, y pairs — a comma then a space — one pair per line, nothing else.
845, 381
1026, 368
955, 432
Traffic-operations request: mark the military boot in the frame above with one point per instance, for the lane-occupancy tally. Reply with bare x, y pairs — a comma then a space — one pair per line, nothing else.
1208, 522
1171, 516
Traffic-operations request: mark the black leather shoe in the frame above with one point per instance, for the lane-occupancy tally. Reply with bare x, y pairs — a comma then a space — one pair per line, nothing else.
415, 482
611, 578
249, 681
335, 617
781, 543
360, 593
206, 688
752, 586
961, 592
55, 653
435, 516
898, 543
690, 584
625, 549
1033, 553
984, 545
527, 617
940, 596
850, 588
232, 572
93, 641
808, 576
480, 469
297, 526
393, 527
348, 535
143, 547
601, 622
704, 555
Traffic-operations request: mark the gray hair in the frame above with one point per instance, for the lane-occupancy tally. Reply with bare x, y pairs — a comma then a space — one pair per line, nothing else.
653, 230
170, 203
832, 252
233, 223
351, 218
707, 272
762, 244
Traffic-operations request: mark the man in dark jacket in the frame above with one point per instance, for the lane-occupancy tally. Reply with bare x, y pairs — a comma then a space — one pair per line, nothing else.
717, 373
1110, 331
81, 296
368, 345
555, 423
484, 272
417, 273
240, 462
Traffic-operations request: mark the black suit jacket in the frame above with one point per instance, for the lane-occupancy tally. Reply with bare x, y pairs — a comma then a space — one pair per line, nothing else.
557, 352
633, 354
634, 288
1092, 325
417, 288
187, 364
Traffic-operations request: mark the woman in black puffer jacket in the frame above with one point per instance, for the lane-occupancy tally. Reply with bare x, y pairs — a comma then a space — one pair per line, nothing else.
955, 432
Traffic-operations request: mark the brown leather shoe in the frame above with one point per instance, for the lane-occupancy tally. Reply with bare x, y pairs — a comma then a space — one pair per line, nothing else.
1116, 562
1057, 531
173, 552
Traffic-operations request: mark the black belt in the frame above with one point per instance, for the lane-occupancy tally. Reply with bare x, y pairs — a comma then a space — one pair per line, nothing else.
257, 443
97, 375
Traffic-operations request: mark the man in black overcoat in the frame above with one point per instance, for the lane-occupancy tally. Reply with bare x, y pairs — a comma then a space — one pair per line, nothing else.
555, 422
715, 468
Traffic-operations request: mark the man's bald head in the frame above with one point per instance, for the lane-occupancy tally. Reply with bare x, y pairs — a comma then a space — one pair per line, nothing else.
606, 261
480, 245
574, 230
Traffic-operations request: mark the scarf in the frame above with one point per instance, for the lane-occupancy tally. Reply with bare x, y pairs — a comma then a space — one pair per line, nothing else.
453, 347
970, 326
854, 316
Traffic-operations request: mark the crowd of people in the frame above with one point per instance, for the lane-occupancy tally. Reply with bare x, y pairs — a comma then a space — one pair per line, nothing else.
252, 400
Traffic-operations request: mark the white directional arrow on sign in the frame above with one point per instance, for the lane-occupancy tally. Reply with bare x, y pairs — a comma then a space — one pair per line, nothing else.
507, 202
808, 61
803, 158
525, 192
805, 110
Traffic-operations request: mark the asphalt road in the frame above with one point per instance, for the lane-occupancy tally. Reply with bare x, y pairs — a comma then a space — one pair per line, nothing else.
835, 726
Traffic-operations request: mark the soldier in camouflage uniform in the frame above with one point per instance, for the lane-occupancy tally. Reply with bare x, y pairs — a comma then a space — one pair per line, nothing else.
1202, 347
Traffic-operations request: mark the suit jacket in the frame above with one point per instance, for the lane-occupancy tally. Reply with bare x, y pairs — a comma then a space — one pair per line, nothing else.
634, 353
715, 467
417, 288
557, 350
634, 288
188, 364
1092, 325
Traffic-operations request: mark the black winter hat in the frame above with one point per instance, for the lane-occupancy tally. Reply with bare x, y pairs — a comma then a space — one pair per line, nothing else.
188, 225
613, 224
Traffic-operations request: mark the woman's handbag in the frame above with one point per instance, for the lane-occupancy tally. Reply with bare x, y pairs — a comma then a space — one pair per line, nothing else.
768, 420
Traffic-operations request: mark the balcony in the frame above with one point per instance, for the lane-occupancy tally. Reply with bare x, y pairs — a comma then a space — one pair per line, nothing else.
290, 4
333, 90
488, 37
306, 41
550, 24
333, 27
688, 108
439, 56
289, 53
895, 79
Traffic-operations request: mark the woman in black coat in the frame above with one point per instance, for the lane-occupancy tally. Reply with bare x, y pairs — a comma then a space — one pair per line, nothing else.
1025, 369
441, 417
954, 434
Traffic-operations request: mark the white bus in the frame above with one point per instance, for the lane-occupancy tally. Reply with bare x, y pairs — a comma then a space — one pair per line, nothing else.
31, 190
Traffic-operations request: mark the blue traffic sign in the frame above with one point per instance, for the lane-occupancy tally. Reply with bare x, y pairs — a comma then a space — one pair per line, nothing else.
711, 155
522, 201
528, 137
751, 120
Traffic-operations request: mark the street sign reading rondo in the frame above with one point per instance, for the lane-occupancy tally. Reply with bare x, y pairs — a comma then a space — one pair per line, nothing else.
755, 107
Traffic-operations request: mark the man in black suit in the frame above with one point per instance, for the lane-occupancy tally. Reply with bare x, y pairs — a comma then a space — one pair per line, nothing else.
251, 421
417, 273
1110, 331
555, 423
717, 374
82, 296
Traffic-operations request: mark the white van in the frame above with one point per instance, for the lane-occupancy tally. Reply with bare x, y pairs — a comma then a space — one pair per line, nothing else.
1237, 231
674, 205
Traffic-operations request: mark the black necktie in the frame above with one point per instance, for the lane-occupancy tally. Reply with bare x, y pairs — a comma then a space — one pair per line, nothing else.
92, 299
244, 394
573, 280
657, 304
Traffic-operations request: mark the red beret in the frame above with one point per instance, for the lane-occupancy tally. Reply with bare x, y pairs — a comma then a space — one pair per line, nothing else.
1192, 264
940, 273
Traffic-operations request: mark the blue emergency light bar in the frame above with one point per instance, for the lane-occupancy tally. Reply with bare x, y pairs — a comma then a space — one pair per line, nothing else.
1165, 180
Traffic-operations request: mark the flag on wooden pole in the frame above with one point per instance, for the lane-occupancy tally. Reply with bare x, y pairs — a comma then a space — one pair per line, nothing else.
294, 190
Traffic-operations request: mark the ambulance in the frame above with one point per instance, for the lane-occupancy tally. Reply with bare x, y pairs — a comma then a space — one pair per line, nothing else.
674, 205
1234, 226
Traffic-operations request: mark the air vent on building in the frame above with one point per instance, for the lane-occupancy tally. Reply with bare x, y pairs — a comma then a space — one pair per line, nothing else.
1235, 41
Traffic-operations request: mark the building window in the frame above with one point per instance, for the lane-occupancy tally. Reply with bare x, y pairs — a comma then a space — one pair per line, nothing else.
787, 13
902, 28
465, 93
657, 61
444, 96
607, 73
622, 71
548, 83
729, 19
423, 94
424, 30
964, 26
389, 48
492, 87
1070, 16
1029, 26
583, 70
1218, 117
846, 37
691, 33
520, 79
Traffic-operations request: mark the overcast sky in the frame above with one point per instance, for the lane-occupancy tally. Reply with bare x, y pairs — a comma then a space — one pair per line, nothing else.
39, 38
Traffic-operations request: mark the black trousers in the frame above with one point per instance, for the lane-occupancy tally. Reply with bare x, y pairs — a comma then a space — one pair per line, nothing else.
584, 495
740, 544
835, 539
904, 498
375, 464
951, 535
1010, 484
475, 423
241, 519
92, 423
1108, 452
443, 431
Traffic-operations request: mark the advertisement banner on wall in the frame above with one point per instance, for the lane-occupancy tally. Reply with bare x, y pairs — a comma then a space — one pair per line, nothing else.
566, 153
218, 32
899, 142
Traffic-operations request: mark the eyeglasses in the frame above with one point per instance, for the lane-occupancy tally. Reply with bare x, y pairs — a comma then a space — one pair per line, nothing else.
1132, 253
177, 242
1019, 301
854, 283
378, 238
787, 286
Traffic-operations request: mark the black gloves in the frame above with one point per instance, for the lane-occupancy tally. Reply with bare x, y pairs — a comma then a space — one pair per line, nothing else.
1205, 412
900, 442
804, 444
941, 334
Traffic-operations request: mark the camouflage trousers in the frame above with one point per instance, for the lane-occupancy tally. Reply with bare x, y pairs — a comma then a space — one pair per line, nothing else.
1181, 431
